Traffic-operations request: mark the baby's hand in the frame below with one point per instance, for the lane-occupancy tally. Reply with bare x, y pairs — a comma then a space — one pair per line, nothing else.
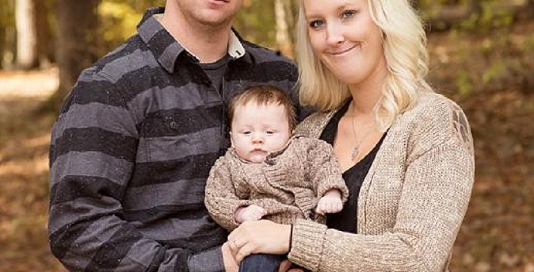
330, 202
249, 213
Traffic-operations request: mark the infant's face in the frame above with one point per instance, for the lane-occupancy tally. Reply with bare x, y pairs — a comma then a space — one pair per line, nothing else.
258, 130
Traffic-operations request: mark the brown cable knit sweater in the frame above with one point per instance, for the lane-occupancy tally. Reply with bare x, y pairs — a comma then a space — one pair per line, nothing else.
411, 203
288, 184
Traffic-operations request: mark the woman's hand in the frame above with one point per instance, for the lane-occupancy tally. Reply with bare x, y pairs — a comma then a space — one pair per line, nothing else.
230, 264
259, 237
285, 266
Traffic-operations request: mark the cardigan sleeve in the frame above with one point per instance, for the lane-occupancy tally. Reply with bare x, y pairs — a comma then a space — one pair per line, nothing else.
221, 197
436, 190
323, 169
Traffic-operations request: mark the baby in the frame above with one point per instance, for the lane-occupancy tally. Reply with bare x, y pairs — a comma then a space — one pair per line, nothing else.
268, 172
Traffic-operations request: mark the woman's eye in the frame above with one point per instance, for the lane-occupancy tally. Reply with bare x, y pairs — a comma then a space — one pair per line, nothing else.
316, 23
348, 14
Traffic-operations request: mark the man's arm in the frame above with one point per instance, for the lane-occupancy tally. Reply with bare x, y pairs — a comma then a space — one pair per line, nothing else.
92, 159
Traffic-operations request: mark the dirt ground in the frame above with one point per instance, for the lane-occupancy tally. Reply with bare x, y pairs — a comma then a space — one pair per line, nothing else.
24, 138
497, 233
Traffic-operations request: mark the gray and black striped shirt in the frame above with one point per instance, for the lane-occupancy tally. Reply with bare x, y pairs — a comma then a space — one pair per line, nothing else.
132, 148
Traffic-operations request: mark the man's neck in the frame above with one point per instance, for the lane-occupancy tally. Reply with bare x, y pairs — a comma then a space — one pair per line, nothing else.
207, 43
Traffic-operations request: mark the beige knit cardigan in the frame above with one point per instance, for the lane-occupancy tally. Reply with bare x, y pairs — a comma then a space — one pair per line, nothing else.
412, 201
288, 184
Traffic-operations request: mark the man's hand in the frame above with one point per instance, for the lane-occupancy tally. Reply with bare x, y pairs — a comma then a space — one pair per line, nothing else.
230, 263
249, 213
330, 202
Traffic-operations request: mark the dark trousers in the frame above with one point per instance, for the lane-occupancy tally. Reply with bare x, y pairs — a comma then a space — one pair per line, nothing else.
261, 263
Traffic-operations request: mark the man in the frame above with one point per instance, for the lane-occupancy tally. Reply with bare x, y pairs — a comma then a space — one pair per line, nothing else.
137, 136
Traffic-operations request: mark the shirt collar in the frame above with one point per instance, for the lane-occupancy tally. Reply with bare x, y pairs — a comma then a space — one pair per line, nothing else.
167, 50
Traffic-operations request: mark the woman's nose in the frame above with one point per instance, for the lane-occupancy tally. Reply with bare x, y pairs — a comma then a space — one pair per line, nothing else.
334, 35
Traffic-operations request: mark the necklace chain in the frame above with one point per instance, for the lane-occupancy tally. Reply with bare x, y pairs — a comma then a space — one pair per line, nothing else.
356, 150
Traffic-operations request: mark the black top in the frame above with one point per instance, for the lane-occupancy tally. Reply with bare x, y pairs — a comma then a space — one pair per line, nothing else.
346, 220
215, 71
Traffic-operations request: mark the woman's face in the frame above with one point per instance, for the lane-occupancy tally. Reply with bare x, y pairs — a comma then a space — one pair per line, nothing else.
346, 39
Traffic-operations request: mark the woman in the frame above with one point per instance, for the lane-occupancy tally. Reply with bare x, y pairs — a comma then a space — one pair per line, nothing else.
406, 152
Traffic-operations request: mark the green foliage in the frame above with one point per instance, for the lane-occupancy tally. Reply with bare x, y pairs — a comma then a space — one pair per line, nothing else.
118, 20
463, 81
498, 69
256, 22
489, 19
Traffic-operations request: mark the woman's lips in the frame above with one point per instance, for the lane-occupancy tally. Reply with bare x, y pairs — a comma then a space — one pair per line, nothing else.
343, 51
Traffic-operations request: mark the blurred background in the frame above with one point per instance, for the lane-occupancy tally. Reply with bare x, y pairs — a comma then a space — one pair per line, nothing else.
482, 56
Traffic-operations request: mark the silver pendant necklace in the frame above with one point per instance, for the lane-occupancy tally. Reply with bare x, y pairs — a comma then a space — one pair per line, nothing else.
356, 150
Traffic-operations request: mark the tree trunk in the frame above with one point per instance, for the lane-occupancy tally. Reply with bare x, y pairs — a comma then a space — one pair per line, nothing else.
45, 44
524, 10
7, 34
26, 57
77, 24
284, 38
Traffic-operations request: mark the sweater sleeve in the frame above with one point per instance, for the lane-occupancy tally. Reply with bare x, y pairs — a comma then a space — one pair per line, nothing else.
435, 194
221, 195
92, 155
323, 168
225, 195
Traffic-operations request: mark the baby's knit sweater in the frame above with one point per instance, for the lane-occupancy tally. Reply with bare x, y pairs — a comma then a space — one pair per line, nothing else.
288, 184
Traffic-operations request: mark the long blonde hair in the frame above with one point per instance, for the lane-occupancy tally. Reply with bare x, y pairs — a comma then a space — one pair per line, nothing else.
404, 45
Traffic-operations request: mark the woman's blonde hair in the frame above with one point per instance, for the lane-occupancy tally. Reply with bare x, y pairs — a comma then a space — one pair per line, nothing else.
404, 45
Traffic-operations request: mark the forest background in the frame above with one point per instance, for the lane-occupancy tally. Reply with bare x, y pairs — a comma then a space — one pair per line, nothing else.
482, 56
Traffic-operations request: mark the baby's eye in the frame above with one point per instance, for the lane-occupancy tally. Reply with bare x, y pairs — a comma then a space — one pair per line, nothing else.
316, 24
269, 132
246, 133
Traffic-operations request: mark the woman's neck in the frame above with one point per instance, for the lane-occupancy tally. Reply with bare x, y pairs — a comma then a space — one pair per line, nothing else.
365, 100
367, 93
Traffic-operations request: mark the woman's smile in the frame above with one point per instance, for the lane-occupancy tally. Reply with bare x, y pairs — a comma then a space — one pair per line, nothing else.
342, 52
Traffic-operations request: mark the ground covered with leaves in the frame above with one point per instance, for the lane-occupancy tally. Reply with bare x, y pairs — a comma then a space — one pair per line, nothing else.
489, 75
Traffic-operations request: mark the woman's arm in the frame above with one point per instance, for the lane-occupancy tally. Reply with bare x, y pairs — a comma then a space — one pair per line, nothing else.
433, 199
436, 190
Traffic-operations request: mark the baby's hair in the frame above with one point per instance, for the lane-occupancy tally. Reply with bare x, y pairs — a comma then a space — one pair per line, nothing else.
264, 95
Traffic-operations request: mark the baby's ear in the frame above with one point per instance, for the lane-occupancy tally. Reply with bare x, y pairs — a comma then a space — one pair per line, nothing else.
231, 140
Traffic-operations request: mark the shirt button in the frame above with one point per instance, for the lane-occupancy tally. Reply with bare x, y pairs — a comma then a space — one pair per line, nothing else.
173, 125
